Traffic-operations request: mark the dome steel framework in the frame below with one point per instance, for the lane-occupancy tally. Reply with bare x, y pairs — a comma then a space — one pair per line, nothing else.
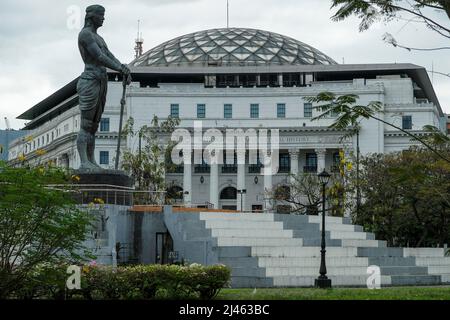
232, 47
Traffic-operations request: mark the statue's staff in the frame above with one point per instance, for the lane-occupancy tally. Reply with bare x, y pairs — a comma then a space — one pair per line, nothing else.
126, 81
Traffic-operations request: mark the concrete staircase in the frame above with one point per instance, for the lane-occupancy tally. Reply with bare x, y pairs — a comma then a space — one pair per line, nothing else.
275, 250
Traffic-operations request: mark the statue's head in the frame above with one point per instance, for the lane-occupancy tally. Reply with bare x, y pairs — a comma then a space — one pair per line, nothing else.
95, 15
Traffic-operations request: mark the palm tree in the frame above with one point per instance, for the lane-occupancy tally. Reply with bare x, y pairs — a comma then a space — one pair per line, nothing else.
350, 114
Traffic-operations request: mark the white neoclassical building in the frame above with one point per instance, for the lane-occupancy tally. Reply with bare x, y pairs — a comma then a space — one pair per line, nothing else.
239, 78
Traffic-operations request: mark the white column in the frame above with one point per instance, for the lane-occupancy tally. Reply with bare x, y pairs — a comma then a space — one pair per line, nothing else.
267, 171
214, 185
187, 185
162, 195
241, 186
267, 189
320, 159
280, 79
293, 153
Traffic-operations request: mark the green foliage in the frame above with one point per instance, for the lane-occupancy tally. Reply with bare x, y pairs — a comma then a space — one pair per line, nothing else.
370, 11
129, 282
398, 293
350, 114
148, 166
38, 224
406, 198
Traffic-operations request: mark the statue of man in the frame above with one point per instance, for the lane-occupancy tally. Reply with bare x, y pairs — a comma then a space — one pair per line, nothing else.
93, 82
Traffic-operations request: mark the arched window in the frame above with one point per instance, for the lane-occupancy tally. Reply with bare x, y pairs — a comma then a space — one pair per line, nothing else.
229, 193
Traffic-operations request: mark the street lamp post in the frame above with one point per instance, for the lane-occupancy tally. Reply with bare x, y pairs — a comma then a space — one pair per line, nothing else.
242, 192
322, 281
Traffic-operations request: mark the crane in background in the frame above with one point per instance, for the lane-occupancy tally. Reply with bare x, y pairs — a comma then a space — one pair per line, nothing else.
8, 125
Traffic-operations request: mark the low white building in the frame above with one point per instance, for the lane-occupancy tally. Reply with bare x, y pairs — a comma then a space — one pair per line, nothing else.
239, 78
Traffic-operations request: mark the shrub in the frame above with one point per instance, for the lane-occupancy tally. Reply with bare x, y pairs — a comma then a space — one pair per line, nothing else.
130, 282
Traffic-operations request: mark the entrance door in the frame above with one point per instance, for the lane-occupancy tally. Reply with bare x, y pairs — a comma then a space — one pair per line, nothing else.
163, 246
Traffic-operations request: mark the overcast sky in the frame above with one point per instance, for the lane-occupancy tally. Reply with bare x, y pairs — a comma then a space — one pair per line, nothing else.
39, 53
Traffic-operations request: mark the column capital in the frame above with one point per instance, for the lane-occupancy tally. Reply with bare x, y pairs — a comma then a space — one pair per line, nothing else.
321, 152
294, 153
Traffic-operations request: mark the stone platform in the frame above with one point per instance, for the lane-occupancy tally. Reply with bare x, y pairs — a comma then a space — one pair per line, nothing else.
276, 250
111, 186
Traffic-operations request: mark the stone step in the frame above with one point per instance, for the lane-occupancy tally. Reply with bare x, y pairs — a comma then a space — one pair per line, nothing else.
403, 270
315, 242
314, 271
341, 227
363, 243
252, 233
308, 281
438, 270
445, 278
312, 262
209, 216
380, 252
254, 242
352, 235
329, 220
233, 252
392, 261
433, 261
424, 252
415, 280
302, 252
236, 224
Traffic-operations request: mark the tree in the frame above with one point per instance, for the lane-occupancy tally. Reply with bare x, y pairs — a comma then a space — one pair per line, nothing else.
426, 12
304, 192
148, 166
370, 11
350, 113
406, 198
38, 224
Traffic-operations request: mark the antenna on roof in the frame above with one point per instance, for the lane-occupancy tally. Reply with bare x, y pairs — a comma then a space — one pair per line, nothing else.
228, 14
139, 41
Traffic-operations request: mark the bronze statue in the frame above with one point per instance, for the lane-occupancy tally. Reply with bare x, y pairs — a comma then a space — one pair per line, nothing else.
93, 82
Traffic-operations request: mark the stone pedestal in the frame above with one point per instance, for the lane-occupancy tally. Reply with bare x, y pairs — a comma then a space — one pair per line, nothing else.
103, 186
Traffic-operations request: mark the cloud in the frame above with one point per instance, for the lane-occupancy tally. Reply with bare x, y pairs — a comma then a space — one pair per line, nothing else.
39, 54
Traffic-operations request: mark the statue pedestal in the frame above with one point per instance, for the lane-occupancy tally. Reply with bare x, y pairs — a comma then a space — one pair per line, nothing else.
103, 186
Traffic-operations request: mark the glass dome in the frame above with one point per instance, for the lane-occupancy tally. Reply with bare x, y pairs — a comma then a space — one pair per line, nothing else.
231, 47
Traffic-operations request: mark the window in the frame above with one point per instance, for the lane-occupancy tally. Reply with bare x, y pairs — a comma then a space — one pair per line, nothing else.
311, 163
104, 125
201, 111
407, 122
336, 162
228, 111
307, 110
281, 110
175, 110
104, 157
254, 111
285, 163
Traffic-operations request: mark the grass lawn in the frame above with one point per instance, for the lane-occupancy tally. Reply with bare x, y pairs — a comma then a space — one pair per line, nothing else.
390, 293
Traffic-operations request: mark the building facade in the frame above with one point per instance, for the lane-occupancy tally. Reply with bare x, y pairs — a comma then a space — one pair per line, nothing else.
6, 137
239, 78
